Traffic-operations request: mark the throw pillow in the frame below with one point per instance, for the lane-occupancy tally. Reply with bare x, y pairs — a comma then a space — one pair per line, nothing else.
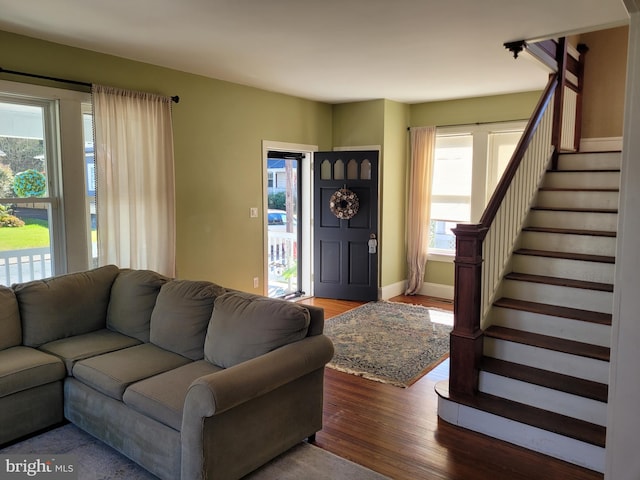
245, 326
181, 315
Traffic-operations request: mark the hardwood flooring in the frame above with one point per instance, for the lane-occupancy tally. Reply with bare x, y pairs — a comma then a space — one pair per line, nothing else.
397, 432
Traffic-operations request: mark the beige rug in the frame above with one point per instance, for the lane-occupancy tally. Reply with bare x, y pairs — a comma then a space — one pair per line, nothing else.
97, 461
389, 342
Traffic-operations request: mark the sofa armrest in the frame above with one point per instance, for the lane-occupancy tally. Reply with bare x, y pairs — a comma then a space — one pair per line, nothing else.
223, 390
280, 391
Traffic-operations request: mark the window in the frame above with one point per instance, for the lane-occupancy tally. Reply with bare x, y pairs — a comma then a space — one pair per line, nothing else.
42, 182
469, 161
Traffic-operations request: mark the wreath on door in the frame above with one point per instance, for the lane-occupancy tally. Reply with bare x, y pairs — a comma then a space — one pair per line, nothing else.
344, 204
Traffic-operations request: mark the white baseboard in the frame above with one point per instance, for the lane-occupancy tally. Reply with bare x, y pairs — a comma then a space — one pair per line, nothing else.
604, 144
435, 290
390, 291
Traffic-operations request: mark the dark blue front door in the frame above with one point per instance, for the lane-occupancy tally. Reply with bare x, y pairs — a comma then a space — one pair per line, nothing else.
345, 249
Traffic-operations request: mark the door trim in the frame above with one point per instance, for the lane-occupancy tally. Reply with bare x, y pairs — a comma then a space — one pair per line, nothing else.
306, 205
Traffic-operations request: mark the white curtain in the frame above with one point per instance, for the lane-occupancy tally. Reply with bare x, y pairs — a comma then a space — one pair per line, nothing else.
135, 204
423, 143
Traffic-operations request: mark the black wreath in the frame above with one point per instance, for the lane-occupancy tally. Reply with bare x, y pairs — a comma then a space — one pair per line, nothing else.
344, 204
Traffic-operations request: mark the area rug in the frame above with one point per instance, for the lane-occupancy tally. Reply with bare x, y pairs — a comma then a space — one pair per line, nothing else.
389, 342
97, 461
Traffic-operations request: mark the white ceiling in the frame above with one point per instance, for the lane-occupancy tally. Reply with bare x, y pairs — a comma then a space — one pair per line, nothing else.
329, 50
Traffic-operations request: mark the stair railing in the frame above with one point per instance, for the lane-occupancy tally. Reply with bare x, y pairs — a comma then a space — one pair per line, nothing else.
484, 250
492, 242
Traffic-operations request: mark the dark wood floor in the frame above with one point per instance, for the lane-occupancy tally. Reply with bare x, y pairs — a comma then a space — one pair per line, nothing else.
396, 431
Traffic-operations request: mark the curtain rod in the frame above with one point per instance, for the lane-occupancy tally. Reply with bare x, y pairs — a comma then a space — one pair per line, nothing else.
479, 123
175, 98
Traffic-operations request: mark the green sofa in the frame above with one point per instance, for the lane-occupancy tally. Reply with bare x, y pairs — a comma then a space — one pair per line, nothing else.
187, 378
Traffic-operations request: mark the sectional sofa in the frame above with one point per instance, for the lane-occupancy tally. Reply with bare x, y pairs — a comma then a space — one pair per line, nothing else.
187, 378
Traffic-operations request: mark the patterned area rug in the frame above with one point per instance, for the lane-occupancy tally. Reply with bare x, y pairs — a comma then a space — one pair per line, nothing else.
389, 342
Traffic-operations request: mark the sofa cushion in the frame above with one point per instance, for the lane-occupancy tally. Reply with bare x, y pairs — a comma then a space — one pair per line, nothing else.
181, 315
22, 368
79, 347
63, 306
9, 319
244, 326
162, 397
113, 372
133, 296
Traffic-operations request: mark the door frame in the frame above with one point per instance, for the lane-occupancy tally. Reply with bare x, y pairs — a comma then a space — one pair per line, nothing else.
306, 211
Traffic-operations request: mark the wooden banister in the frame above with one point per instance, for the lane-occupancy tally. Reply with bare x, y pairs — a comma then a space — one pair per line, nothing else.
466, 340
507, 177
558, 106
493, 239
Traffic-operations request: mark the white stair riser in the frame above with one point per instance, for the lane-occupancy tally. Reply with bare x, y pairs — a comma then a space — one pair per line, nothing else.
555, 242
567, 364
573, 406
593, 300
590, 161
582, 180
532, 438
607, 222
564, 268
567, 328
582, 199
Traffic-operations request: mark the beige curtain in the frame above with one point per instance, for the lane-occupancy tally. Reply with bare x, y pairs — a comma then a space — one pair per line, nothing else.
423, 142
135, 179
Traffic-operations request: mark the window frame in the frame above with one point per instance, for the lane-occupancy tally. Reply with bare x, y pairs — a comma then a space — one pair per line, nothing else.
70, 240
482, 167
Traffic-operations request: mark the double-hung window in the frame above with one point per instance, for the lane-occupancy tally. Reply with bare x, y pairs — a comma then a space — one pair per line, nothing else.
469, 161
45, 226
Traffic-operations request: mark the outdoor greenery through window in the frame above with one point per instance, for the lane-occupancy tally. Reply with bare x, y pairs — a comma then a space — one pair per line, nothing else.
36, 167
468, 163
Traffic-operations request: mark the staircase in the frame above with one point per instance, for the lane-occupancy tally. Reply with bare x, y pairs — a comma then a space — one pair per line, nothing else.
543, 379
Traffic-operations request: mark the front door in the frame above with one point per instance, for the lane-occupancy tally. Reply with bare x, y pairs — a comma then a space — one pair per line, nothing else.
346, 225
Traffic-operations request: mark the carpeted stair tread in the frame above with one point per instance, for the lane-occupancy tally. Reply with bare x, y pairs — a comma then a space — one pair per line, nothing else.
576, 210
569, 231
545, 378
566, 255
548, 342
560, 282
554, 310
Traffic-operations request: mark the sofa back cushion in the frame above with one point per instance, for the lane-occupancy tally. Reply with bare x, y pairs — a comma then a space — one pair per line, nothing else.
10, 327
181, 315
65, 305
133, 296
244, 326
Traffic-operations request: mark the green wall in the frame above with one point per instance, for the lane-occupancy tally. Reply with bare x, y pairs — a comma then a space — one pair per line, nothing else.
394, 183
495, 108
218, 133
382, 123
